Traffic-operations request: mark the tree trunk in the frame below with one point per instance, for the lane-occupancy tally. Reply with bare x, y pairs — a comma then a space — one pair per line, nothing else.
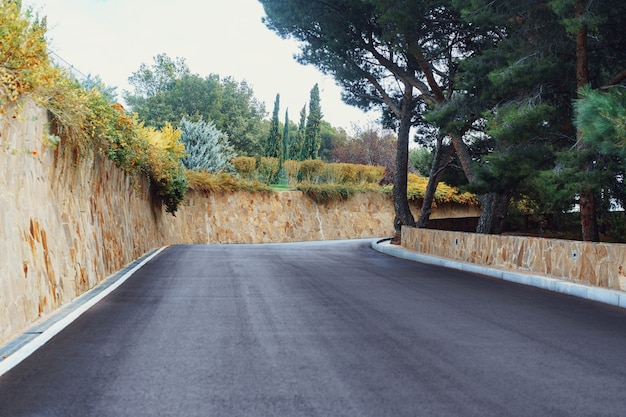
462, 151
439, 165
493, 212
588, 214
588, 217
403, 215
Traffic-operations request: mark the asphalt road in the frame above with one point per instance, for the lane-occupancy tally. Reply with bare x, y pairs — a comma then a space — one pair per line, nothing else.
324, 329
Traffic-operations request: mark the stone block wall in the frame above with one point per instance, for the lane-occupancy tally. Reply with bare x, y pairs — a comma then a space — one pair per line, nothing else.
596, 264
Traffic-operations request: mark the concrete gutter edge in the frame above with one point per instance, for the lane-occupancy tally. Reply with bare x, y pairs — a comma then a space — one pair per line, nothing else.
22, 346
602, 295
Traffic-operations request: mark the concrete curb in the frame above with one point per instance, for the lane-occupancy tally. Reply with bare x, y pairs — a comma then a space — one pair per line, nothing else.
24, 345
602, 295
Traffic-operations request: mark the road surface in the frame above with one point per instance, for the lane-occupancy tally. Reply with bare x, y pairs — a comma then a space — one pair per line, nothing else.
324, 329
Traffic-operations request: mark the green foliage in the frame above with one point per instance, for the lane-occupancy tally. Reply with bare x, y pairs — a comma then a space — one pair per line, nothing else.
268, 169
601, 117
326, 193
274, 143
167, 91
504, 171
421, 160
286, 138
297, 146
518, 122
313, 136
150, 81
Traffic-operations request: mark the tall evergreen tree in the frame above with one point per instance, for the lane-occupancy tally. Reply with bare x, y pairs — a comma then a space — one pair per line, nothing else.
313, 136
297, 148
274, 144
598, 34
518, 85
286, 137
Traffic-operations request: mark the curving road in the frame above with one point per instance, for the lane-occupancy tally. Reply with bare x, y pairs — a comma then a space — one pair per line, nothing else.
324, 329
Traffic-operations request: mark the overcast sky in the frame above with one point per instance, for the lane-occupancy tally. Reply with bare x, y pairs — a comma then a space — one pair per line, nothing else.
112, 38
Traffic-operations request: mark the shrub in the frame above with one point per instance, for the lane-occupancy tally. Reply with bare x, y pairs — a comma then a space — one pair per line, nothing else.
212, 182
245, 166
416, 188
325, 193
374, 174
292, 170
311, 170
25, 63
207, 147
268, 169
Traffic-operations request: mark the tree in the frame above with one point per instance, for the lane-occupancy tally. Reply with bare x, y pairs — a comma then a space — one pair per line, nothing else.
167, 92
286, 137
330, 137
597, 28
369, 146
150, 81
297, 146
207, 147
601, 118
421, 160
382, 53
95, 82
274, 144
312, 137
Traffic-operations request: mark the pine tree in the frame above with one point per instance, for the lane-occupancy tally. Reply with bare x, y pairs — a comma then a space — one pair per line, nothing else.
313, 137
274, 144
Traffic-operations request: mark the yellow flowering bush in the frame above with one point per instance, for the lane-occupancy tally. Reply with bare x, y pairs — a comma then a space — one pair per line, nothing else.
24, 53
416, 188
83, 120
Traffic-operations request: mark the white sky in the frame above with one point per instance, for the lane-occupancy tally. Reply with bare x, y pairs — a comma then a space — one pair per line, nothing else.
112, 38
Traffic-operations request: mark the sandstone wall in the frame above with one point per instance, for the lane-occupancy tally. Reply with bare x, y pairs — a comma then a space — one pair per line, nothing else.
596, 264
67, 224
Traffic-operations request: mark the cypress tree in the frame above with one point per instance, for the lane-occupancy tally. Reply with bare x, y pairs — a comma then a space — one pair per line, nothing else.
273, 146
286, 138
297, 146
313, 136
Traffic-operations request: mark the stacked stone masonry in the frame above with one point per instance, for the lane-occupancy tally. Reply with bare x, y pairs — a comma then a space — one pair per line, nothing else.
595, 264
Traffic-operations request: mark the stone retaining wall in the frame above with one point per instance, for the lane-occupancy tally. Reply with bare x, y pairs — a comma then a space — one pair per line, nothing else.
596, 264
